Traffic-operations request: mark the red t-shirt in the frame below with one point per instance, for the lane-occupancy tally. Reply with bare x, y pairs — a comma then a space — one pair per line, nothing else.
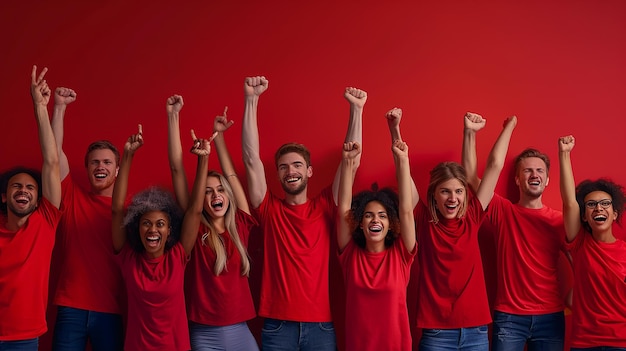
295, 265
528, 242
156, 301
24, 271
224, 299
599, 304
376, 312
90, 278
452, 292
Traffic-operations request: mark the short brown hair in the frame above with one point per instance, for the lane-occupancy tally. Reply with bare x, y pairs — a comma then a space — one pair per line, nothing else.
293, 147
530, 152
101, 145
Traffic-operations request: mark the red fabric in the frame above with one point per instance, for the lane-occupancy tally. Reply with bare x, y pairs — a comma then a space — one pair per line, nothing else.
224, 299
295, 266
598, 308
452, 291
376, 312
528, 242
156, 302
24, 270
89, 277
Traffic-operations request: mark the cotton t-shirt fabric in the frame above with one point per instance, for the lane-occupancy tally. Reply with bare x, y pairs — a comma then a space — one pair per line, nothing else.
24, 271
598, 308
156, 302
296, 257
90, 278
528, 243
452, 292
225, 299
376, 310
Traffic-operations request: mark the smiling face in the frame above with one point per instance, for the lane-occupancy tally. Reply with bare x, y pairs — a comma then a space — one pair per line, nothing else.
154, 229
599, 218
449, 198
216, 201
531, 177
21, 195
293, 173
375, 226
101, 170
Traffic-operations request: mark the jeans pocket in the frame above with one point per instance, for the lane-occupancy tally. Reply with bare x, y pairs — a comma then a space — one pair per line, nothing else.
327, 326
483, 329
431, 332
272, 325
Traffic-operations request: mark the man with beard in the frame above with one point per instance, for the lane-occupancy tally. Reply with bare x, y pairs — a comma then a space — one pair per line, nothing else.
90, 283
297, 232
30, 206
528, 310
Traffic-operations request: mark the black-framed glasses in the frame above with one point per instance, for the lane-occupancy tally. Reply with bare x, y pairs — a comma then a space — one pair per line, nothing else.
605, 203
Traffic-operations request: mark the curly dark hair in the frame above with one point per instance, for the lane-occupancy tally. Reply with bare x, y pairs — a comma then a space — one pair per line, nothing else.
152, 199
386, 197
588, 186
7, 175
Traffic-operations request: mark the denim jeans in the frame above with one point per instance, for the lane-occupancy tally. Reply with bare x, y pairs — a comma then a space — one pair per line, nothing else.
462, 339
20, 345
236, 337
543, 332
601, 348
303, 336
74, 327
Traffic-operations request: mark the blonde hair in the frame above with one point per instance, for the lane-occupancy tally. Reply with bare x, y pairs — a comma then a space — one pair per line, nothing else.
213, 239
440, 174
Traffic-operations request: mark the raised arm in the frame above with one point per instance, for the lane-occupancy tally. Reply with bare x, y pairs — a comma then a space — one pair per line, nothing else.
120, 189
571, 210
193, 213
253, 87
175, 151
473, 123
393, 122
351, 154
495, 163
356, 98
405, 185
62, 98
220, 125
50, 178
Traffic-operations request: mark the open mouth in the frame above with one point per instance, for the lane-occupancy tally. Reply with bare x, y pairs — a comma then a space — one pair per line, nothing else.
292, 179
534, 183
600, 218
376, 228
153, 240
100, 175
217, 204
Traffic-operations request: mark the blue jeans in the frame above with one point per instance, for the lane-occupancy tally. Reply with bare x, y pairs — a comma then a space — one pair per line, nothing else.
465, 339
20, 345
74, 327
542, 332
303, 336
235, 337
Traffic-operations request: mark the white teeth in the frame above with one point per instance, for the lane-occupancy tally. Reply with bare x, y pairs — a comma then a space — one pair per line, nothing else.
153, 238
291, 180
452, 206
599, 218
376, 228
534, 183
100, 175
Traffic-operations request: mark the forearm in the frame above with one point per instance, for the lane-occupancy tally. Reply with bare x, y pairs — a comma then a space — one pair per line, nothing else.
58, 117
469, 157
344, 202
175, 155
571, 210
193, 214
495, 163
255, 171
50, 176
117, 202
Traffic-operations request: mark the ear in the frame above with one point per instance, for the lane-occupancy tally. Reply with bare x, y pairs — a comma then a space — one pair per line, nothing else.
517, 180
117, 170
547, 181
309, 171
615, 214
4, 198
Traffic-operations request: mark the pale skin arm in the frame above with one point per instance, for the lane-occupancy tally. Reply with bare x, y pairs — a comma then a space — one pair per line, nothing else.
394, 116
255, 172
173, 107
356, 98
193, 213
405, 185
473, 123
351, 153
495, 163
50, 178
571, 210
120, 189
62, 98
220, 125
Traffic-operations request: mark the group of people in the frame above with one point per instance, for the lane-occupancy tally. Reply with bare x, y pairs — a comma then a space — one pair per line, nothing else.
181, 261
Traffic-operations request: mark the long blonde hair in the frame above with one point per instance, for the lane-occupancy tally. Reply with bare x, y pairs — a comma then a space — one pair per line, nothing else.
440, 174
213, 239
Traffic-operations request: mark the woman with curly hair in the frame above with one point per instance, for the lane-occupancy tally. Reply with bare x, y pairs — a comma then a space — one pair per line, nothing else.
599, 258
153, 241
219, 301
376, 266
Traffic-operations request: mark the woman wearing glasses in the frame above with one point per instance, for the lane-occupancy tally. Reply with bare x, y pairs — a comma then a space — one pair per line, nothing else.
589, 210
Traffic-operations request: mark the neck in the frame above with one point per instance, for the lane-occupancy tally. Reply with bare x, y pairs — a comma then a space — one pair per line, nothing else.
604, 236
14, 223
219, 224
103, 192
375, 247
530, 202
297, 199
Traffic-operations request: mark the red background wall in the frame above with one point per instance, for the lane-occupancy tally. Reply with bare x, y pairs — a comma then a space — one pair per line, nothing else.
560, 66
